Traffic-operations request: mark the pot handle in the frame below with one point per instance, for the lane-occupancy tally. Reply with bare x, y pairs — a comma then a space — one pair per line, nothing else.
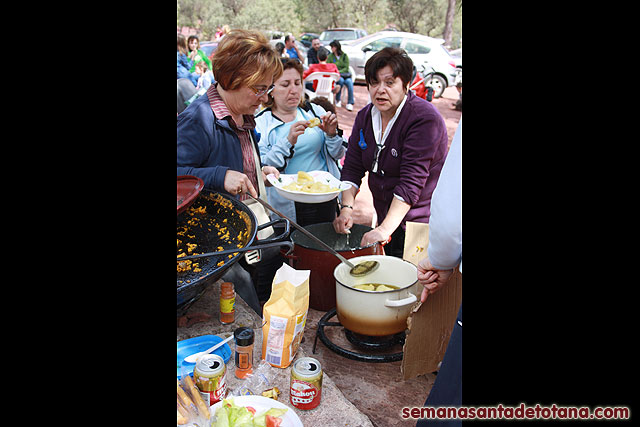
279, 237
401, 302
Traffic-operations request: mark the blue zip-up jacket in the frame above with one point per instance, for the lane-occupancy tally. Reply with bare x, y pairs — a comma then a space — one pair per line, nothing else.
278, 152
207, 146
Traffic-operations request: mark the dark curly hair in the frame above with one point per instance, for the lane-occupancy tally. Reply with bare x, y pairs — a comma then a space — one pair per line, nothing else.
400, 63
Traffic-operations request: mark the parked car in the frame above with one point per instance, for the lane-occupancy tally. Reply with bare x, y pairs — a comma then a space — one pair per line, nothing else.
341, 34
457, 57
209, 48
420, 48
305, 39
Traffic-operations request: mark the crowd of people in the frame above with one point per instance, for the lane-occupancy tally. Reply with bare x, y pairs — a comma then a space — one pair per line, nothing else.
253, 120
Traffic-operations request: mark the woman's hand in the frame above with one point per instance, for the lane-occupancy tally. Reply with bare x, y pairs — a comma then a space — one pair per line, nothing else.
373, 236
431, 278
296, 130
266, 170
329, 124
343, 223
237, 183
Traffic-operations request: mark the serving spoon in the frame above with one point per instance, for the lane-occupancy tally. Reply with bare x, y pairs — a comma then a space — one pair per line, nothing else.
361, 269
194, 357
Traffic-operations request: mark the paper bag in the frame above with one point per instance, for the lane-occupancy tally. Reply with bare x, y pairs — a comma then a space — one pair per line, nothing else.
429, 324
416, 241
285, 315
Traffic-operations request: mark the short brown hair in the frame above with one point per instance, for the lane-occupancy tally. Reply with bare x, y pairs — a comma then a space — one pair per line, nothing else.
400, 63
244, 58
286, 64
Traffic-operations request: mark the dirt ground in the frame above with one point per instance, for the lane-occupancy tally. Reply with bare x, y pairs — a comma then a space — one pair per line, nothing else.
363, 209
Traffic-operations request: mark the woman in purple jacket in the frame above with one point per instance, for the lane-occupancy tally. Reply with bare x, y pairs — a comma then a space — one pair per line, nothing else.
401, 140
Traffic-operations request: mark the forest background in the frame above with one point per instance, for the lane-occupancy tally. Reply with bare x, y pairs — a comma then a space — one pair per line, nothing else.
434, 18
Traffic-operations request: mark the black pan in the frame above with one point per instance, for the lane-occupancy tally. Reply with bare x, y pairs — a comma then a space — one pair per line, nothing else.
215, 222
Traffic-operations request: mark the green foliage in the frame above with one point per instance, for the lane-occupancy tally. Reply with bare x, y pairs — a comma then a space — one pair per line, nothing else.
296, 16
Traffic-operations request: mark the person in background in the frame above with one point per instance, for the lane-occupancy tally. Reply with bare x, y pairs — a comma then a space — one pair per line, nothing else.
401, 141
196, 54
291, 48
341, 59
444, 253
216, 138
223, 32
320, 66
184, 63
281, 51
206, 76
185, 91
312, 53
324, 103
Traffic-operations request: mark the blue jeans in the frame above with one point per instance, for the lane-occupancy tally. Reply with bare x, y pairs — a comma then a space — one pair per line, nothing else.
349, 83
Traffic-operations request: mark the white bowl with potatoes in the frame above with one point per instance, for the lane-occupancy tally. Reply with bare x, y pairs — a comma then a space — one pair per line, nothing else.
308, 187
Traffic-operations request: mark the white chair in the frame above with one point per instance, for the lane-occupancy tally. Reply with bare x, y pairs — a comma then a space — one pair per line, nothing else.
325, 83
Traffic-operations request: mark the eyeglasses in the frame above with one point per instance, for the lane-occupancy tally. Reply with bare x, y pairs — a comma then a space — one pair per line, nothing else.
261, 92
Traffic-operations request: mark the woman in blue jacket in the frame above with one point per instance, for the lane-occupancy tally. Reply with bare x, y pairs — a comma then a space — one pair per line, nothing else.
288, 143
216, 137
184, 64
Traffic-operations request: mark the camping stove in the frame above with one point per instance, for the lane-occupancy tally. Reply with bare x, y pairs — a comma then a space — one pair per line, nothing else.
376, 349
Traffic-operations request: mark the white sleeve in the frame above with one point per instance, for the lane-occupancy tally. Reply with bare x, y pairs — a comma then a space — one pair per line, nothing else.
445, 224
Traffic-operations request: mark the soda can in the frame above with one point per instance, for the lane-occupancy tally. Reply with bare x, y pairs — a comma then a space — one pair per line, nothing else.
306, 383
209, 376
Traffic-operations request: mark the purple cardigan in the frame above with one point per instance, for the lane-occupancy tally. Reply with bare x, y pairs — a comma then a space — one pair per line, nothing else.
410, 163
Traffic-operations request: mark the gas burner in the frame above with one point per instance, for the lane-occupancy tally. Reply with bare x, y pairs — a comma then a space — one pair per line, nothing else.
362, 341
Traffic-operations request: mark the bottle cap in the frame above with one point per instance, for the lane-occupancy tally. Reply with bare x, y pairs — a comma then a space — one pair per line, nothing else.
243, 336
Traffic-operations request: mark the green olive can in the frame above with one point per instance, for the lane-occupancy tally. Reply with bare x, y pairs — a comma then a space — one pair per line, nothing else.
306, 383
209, 376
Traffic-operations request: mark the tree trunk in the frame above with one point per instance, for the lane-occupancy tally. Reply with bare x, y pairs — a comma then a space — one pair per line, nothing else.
448, 23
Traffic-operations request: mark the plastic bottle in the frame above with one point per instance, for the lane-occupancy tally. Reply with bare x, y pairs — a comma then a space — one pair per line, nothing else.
244, 351
227, 303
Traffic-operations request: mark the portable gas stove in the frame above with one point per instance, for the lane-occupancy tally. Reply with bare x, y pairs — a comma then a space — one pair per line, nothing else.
373, 345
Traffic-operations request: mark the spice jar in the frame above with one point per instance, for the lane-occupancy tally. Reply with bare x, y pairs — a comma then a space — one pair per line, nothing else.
244, 351
227, 303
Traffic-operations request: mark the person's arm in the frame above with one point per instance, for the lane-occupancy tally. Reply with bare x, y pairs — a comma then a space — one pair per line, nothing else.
353, 171
382, 232
278, 151
445, 236
343, 63
273, 152
343, 223
192, 149
445, 228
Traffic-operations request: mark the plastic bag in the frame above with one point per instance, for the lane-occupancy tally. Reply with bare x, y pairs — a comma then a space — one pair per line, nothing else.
261, 379
191, 408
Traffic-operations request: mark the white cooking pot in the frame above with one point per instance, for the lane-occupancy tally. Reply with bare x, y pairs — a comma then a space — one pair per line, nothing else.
376, 313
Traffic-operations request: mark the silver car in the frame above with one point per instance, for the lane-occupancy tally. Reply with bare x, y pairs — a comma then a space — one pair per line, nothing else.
420, 48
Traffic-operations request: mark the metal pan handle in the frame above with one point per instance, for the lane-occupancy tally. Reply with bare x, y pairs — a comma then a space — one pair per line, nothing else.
280, 236
286, 243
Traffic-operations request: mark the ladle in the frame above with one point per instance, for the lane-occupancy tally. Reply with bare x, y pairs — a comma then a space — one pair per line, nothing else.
359, 270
